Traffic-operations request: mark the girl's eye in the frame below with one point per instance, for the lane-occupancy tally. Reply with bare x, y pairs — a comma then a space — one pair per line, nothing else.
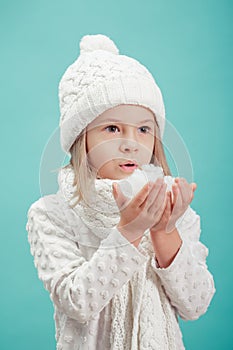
111, 128
145, 129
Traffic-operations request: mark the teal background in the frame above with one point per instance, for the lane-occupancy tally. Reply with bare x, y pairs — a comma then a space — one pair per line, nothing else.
187, 46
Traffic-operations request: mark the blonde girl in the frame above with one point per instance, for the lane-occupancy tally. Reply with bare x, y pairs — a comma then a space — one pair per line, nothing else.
119, 271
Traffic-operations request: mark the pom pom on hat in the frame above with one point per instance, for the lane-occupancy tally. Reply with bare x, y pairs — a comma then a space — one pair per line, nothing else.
91, 43
100, 79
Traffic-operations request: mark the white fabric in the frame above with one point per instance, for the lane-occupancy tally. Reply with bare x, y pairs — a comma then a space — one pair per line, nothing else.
99, 79
107, 294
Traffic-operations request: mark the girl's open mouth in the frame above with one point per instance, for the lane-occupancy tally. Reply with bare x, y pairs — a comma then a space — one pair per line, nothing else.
128, 168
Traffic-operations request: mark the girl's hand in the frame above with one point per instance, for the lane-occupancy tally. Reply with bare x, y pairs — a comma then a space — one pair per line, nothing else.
140, 213
183, 194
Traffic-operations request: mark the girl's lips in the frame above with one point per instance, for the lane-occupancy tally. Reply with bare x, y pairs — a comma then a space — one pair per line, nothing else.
128, 169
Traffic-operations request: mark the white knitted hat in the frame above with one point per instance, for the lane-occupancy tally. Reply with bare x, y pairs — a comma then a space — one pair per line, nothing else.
100, 79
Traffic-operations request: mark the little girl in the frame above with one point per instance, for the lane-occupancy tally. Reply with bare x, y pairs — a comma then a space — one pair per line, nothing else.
119, 271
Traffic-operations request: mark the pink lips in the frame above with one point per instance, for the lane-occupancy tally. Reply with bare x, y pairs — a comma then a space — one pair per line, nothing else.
128, 168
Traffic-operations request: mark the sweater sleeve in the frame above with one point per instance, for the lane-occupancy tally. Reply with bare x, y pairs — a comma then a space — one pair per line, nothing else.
78, 287
187, 281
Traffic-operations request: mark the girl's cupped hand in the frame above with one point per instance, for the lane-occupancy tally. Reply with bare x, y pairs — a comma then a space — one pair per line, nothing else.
141, 212
183, 194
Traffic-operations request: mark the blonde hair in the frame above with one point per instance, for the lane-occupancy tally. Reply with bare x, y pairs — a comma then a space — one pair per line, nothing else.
84, 174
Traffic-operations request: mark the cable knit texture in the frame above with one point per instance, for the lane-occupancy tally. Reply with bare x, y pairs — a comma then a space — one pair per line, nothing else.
107, 294
99, 79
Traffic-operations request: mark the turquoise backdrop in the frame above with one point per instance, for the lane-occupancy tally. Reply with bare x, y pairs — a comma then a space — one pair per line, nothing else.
187, 46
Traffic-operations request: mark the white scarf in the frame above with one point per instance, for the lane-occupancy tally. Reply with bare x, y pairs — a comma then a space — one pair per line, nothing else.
129, 306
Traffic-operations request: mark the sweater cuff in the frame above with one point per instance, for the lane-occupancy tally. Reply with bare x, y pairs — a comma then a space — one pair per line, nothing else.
116, 241
182, 254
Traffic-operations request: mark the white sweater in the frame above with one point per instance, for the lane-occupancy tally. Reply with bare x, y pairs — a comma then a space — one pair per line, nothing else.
107, 294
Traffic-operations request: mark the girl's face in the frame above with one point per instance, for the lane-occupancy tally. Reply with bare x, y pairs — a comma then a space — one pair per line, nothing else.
121, 135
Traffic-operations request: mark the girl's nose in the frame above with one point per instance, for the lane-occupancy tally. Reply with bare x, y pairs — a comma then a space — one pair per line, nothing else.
128, 146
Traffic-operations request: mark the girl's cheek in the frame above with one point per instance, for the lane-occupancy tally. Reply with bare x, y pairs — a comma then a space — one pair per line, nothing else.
101, 153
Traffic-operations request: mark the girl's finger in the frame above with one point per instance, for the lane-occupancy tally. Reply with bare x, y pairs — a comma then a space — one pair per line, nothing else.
153, 189
177, 179
141, 196
185, 191
157, 193
166, 209
163, 212
170, 224
119, 197
193, 186
177, 203
175, 191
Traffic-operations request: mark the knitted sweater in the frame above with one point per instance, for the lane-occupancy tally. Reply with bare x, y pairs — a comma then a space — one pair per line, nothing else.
107, 294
